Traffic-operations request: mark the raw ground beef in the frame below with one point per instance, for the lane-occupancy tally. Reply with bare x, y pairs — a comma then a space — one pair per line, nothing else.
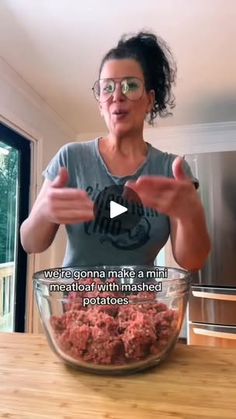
114, 334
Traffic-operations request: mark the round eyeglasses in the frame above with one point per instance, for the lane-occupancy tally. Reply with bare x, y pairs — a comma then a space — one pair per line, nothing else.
131, 87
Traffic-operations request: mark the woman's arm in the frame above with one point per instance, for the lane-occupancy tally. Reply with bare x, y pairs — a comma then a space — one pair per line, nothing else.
56, 204
190, 240
178, 199
37, 232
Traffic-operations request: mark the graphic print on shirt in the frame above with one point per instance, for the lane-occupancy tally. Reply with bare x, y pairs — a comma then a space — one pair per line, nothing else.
132, 239
128, 231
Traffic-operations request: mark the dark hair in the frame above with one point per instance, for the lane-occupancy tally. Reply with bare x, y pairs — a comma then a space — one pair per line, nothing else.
157, 63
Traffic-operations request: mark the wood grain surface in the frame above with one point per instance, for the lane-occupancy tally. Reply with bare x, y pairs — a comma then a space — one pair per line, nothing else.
195, 382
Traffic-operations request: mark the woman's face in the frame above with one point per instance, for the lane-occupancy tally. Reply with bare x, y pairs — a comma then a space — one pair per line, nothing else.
122, 115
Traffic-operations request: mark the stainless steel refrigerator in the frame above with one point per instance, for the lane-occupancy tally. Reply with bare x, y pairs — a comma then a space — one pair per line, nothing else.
211, 317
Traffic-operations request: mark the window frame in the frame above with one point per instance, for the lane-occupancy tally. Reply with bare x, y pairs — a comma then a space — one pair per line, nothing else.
23, 145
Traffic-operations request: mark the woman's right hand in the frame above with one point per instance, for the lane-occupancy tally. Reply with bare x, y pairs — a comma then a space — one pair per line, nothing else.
63, 205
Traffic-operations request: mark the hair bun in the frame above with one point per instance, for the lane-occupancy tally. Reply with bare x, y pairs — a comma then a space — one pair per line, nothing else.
142, 39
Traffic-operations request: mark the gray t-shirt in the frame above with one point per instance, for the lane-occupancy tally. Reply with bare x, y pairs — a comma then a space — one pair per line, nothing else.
86, 245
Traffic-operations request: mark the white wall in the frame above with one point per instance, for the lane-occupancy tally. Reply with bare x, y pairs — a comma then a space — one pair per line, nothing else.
199, 138
25, 112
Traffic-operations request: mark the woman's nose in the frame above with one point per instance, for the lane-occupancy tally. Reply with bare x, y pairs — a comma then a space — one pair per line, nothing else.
118, 94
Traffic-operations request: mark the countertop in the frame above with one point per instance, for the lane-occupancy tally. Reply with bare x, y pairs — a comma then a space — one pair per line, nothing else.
195, 382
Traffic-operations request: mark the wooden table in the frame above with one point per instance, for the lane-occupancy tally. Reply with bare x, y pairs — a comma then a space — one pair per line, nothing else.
194, 383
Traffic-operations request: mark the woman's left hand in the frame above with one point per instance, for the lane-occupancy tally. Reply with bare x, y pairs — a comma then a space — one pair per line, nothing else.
176, 197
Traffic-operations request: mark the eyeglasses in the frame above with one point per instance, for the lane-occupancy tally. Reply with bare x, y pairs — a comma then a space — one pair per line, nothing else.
131, 87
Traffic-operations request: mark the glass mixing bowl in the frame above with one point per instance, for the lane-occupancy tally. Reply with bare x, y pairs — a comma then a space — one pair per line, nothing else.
112, 319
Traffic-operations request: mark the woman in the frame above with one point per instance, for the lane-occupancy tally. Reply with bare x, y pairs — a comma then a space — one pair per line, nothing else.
135, 81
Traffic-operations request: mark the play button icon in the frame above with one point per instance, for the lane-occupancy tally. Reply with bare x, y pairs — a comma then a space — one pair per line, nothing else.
116, 209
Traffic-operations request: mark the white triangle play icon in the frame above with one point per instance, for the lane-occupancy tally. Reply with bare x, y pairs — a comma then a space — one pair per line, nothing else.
116, 209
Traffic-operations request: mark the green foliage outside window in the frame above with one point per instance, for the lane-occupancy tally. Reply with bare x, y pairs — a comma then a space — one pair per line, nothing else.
8, 202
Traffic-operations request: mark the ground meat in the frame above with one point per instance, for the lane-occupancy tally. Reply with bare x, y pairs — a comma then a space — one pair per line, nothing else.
114, 334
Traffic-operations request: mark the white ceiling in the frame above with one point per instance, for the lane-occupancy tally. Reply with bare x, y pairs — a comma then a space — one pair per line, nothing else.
56, 47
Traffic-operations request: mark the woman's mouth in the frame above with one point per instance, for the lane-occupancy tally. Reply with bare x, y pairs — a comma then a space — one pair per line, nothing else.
120, 114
